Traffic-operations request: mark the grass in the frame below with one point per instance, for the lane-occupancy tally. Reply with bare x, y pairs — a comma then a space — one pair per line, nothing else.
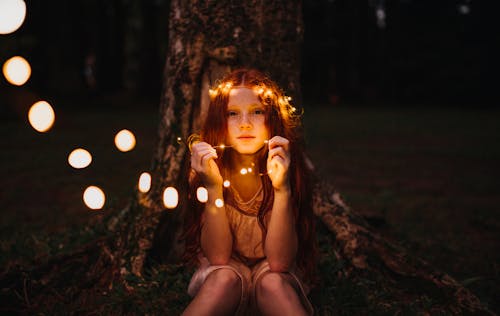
427, 177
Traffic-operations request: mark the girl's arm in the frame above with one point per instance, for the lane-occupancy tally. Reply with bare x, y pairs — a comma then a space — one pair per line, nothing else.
216, 239
281, 239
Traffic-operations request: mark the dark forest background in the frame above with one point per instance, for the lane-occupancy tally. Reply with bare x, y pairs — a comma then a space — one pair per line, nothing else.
400, 52
401, 113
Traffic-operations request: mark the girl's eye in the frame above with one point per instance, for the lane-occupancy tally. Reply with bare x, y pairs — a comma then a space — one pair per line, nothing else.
259, 111
232, 113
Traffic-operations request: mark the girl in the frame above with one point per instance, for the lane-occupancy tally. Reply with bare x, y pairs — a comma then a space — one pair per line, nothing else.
253, 239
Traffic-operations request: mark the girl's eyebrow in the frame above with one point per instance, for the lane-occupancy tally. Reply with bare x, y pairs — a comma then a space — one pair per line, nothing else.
254, 105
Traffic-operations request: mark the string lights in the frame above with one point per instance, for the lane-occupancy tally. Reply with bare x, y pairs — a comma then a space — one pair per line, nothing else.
170, 197
94, 197
79, 158
125, 140
144, 182
16, 70
12, 15
41, 116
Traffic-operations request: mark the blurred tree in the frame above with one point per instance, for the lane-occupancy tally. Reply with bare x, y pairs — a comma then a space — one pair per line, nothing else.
207, 39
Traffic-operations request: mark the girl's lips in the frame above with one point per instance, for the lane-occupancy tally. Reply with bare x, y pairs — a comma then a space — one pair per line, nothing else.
246, 137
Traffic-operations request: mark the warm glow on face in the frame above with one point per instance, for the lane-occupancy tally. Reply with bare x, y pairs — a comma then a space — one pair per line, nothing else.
226, 184
41, 116
79, 158
125, 140
12, 14
144, 182
170, 197
94, 198
16, 70
219, 203
202, 194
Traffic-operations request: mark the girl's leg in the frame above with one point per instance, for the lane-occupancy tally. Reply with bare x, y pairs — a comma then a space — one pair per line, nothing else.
276, 296
220, 294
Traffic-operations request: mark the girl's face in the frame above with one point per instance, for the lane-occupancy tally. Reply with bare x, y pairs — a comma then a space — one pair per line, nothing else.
246, 121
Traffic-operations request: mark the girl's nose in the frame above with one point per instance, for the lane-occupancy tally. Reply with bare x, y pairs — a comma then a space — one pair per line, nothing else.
245, 121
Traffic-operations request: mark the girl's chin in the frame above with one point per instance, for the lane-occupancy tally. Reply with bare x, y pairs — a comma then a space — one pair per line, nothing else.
247, 151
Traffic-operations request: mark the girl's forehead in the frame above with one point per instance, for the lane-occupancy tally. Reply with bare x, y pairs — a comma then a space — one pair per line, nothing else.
243, 96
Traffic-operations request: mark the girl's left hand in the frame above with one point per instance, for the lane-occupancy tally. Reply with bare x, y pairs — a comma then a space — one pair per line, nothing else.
278, 161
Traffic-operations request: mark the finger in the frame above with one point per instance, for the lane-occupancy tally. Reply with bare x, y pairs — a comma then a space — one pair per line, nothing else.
206, 158
278, 152
203, 151
200, 146
278, 141
197, 161
197, 157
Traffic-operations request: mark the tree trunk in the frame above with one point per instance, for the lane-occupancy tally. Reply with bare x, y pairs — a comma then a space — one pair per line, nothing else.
207, 39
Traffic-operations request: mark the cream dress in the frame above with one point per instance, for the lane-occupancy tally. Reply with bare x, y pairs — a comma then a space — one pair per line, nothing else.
248, 260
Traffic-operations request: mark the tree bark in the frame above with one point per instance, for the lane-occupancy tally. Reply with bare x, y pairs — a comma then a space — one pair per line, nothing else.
206, 40
402, 275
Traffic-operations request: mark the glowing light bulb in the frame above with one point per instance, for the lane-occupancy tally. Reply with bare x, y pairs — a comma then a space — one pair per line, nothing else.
222, 146
202, 194
79, 158
41, 116
249, 169
226, 184
125, 140
293, 109
170, 197
212, 92
266, 141
94, 197
289, 98
244, 171
12, 14
260, 91
144, 182
219, 203
16, 70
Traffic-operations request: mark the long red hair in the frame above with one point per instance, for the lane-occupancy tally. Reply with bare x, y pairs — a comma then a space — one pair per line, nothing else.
281, 119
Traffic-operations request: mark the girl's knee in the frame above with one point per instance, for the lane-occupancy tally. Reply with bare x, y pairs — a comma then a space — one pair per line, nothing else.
271, 283
225, 280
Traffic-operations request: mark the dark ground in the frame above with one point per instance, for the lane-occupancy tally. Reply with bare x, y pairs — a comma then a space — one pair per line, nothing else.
427, 177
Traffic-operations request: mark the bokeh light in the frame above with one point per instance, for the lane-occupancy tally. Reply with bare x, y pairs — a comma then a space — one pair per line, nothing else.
79, 158
144, 182
219, 203
12, 14
41, 116
202, 194
170, 197
16, 70
125, 140
94, 197
226, 184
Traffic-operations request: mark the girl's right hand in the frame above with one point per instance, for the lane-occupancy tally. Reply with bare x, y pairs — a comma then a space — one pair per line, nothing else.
202, 161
